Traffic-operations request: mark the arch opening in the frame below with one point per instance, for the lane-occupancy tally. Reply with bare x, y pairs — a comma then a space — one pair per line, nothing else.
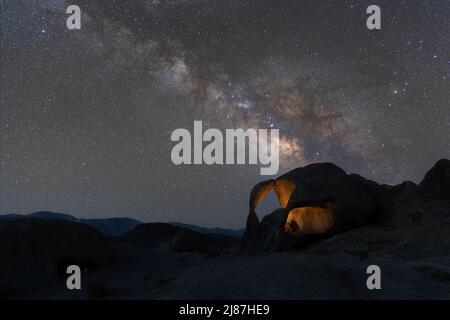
267, 205
259, 197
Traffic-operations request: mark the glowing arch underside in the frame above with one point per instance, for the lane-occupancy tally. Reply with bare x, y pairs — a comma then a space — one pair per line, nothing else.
300, 221
283, 189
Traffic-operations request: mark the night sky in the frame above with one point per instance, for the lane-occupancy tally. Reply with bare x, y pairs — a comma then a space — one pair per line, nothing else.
86, 115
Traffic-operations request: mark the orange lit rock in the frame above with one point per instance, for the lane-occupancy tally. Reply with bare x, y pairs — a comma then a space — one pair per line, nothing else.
308, 220
283, 189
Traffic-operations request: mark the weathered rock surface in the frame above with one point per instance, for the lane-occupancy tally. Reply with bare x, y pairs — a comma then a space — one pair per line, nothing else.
437, 181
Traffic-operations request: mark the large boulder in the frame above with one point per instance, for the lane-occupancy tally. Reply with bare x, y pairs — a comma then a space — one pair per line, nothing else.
168, 236
267, 235
408, 203
149, 235
400, 203
35, 252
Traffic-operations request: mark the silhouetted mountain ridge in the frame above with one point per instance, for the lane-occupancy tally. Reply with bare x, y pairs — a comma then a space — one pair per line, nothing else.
113, 227
108, 226
237, 233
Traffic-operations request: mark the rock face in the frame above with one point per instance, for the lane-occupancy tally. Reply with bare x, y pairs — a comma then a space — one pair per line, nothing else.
321, 199
408, 203
437, 181
34, 252
399, 203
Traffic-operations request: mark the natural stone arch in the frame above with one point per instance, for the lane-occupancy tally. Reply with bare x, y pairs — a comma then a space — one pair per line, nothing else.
298, 221
283, 189
318, 199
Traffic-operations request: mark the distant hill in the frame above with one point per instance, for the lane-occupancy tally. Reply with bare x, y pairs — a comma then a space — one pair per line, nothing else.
46, 215
228, 232
112, 227
109, 226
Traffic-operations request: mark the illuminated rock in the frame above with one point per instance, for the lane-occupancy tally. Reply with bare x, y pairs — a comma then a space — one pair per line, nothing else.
318, 199
308, 220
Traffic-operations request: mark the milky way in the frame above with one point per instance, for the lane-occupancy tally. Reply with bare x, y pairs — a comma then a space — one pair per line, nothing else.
86, 115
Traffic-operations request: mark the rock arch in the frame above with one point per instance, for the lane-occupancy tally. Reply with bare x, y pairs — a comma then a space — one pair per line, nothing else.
316, 199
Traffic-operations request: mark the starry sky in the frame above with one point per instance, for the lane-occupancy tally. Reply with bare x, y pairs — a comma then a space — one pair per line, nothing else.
86, 115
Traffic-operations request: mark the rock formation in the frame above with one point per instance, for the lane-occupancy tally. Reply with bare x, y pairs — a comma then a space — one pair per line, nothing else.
321, 199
